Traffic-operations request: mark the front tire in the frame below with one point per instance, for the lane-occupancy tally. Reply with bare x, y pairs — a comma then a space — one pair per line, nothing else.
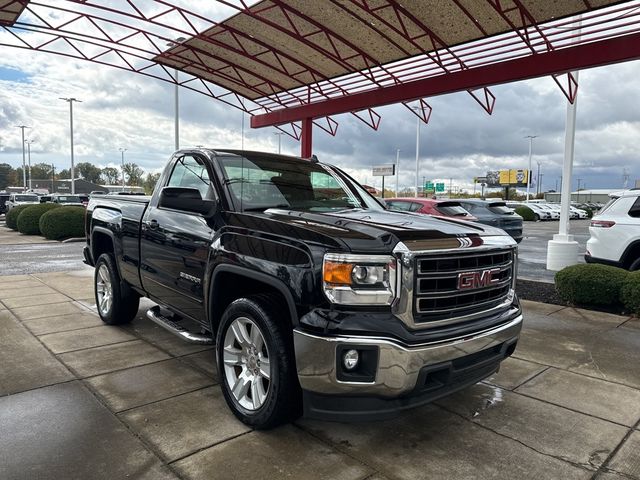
116, 303
256, 363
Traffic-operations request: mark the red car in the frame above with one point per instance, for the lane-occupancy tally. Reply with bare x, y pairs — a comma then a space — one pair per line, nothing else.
437, 208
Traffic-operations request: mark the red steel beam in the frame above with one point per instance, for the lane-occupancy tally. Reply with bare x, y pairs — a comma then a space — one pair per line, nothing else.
595, 54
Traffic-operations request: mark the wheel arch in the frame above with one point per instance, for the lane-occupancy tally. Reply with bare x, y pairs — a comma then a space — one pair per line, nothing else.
252, 282
631, 254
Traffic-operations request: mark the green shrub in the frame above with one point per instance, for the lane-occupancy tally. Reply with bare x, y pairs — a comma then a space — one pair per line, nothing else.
630, 293
62, 223
29, 218
589, 212
590, 284
526, 213
11, 218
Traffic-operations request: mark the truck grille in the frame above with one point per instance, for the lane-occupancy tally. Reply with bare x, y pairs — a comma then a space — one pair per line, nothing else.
439, 295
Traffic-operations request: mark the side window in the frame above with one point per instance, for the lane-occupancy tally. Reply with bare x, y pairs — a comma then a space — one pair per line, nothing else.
402, 206
415, 207
190, 173
634, 211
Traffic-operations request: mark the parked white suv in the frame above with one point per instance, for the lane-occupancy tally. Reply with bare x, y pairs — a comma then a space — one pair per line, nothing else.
21, 199
615, 232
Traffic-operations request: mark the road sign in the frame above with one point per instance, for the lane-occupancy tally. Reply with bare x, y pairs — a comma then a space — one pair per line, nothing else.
384, 170
429, 187
439, 187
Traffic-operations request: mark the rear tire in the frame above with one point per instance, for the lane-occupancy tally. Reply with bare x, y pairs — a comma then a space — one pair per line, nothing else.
256, 363
116, 302
635, 265
536, 217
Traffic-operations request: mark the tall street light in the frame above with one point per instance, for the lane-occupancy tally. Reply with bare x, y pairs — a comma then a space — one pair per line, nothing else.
122, 150
538, 181
417, 109
530, 137
176, 98
71, 100
29, 142
398, 172
279, 140
24, 166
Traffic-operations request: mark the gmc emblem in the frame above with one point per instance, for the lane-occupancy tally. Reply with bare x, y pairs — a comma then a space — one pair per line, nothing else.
474, 280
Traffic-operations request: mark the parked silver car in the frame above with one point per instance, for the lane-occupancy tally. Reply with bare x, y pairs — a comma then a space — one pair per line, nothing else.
21, 199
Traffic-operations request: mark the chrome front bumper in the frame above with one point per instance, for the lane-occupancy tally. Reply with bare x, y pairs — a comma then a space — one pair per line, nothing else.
398, 366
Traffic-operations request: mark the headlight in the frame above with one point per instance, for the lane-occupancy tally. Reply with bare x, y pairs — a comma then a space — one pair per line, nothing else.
359, 279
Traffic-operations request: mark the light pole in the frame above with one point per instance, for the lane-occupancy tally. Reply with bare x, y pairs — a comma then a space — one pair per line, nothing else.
24, 166
397, 172
578, 191
279, 134
71, 100
530, 137
416, 109
29, 142
538, 188
122, 150
176, 99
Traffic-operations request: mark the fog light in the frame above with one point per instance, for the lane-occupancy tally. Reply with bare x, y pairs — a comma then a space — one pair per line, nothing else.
350, 359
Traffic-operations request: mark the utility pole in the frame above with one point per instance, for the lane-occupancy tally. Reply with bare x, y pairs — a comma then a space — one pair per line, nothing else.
450, 186
578, 192
279, 134
397, 172
122, 150
29, 142
24, 165
53, 178
71, 100
538, 181
530, 137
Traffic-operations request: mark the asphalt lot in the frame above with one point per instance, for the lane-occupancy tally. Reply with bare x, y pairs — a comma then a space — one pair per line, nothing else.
532, 251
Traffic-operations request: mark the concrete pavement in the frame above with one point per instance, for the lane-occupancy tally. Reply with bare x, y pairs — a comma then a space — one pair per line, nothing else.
81, 400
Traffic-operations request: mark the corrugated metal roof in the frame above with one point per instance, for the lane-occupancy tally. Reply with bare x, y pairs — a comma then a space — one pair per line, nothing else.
279, 45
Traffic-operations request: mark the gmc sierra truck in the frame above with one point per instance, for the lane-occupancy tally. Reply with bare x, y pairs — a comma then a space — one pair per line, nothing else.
318, 299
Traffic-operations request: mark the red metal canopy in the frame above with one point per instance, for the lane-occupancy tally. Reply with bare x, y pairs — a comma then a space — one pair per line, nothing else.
290, 61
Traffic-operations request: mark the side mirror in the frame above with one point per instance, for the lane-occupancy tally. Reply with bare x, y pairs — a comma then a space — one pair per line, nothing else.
185, 199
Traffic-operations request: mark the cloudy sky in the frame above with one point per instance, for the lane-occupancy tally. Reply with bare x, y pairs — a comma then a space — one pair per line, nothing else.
120, 109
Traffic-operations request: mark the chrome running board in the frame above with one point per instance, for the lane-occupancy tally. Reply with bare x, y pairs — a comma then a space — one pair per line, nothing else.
174, 327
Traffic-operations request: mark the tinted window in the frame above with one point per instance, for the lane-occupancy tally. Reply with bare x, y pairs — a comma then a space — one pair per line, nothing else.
635, 208
26, 198
258, 183
500, 209
403, 206
452, 209
190, 173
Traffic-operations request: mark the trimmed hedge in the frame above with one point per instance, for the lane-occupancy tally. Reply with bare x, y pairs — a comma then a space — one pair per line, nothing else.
590, 284
526, 213
11, 218
64, 222
29, 218
630, 293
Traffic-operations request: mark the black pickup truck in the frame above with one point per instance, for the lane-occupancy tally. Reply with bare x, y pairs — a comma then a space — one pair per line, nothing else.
319, 301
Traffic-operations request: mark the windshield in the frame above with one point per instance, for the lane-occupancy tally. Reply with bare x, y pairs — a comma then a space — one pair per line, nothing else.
68, 199
258, 183
451, 209
500, 209
27, 198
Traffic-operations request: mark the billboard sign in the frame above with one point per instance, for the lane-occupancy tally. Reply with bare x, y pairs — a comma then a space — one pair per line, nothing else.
384, 170
504, 178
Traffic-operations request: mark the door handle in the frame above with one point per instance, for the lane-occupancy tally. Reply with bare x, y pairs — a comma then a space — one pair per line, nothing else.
152, 224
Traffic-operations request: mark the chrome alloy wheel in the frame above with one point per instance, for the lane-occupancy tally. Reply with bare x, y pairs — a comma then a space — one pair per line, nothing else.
246, 363
104, 290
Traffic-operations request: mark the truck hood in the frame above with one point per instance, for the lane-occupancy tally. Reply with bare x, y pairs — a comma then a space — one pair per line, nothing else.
372, 230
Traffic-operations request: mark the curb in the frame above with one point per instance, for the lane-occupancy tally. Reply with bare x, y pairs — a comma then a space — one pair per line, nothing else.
74, 240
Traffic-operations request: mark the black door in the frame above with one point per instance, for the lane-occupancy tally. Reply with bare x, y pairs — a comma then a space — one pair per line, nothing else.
174, 244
